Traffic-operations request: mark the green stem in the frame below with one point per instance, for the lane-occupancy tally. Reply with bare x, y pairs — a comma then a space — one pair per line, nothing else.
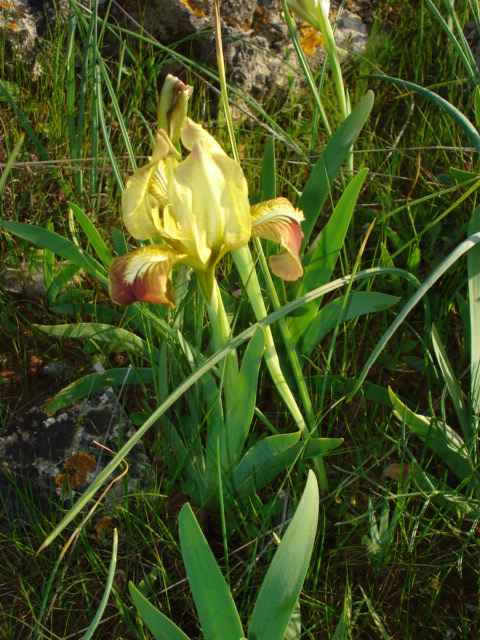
332, 53
306, 69
287, 339
221, 332
245, 266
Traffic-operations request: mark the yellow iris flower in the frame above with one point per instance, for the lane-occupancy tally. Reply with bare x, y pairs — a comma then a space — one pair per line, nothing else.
197, 210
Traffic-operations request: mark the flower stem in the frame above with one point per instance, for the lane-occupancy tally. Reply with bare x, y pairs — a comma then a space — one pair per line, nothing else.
245, 266
221, 332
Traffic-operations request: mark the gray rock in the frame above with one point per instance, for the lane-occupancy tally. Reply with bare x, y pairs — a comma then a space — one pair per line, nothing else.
22, 22
259, 56
24, 282
46, 461
19, 33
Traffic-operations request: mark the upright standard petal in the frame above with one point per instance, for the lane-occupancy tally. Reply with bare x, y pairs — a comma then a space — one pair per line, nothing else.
208, 211
278, 220
145, 196
142, 276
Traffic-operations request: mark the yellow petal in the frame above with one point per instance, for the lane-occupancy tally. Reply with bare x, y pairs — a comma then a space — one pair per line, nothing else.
192, 132
278, 220
142, 276
145, 196
208, 211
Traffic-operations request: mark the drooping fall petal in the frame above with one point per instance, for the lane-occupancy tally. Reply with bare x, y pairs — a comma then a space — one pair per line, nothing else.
278, 220
142, 276
145, 196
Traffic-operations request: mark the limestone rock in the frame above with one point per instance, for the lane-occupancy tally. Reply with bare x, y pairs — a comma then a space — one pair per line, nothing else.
18, 30
45, 460
259, 56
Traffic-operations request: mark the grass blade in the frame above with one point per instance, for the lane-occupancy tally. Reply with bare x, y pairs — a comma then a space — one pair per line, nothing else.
92, 234
473, 265
452, 111
10, 162
59, 245
438, 436
357, 304
106, 594
452, 386
66, 188
450, 260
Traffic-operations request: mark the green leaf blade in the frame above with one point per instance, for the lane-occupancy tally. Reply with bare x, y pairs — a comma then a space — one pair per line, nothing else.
284, 579
324, 253
473, 266
214, 602
92, 234
161, 627
462, 121
359, 303
318, 184
59, 245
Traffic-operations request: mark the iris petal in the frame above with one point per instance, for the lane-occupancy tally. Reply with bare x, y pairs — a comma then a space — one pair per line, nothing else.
278, 220
208, 198
142, 276
145, 196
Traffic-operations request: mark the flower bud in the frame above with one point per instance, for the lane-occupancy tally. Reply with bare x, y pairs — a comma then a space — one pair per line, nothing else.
173, 106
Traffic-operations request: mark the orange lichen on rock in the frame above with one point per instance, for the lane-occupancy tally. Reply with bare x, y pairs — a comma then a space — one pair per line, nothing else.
310, 39
77, 468
198, 7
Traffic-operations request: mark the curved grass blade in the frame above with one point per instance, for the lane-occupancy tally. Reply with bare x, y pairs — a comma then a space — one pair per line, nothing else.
59, 245
358, 303
106, 594
463, 122
450, 260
